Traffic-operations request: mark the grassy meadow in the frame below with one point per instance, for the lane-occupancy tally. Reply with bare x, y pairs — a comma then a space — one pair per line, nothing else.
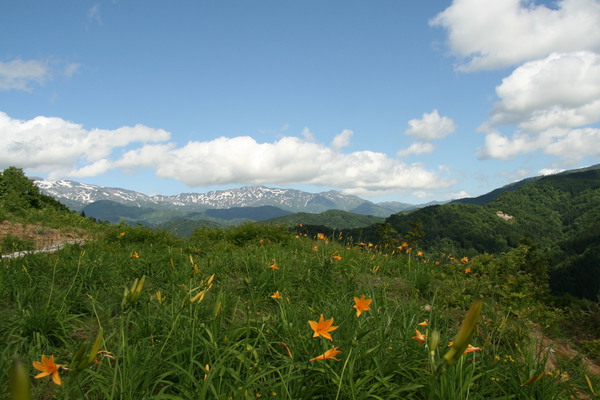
226, 314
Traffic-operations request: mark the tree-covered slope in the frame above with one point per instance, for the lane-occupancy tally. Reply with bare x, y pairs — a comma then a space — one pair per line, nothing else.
560, 213
332, 218
459, 228
260, 213
18, 193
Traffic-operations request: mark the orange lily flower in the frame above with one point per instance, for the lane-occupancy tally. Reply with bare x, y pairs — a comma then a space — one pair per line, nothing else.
276, 295
419, 337
328, 354
469, 348
48, 367
323, 327
274, 266
424, 323
361, 305
337, 257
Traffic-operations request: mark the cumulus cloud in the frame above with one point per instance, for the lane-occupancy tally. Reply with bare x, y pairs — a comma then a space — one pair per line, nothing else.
56, 146
62, 148
576, 145
571, 145
289, 160
559, 90
342, 140
431, 127
500, 33
550, 101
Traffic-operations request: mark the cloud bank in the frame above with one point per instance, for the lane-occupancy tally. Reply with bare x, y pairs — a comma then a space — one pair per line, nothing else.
559, 90
548, 99
62, 148
553, 96
495, 34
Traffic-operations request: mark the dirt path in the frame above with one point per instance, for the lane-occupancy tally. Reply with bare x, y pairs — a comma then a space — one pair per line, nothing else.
43, 239
47, 249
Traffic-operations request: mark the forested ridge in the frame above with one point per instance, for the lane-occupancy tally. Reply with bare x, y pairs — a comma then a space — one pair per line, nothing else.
559, 214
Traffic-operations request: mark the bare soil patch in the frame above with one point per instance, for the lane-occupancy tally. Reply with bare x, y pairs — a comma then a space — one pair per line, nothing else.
41, 236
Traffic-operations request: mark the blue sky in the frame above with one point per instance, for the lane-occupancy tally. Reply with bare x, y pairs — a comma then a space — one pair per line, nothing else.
387, 100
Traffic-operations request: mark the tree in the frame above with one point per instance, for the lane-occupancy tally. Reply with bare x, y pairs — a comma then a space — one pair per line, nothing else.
386, 234
19, 193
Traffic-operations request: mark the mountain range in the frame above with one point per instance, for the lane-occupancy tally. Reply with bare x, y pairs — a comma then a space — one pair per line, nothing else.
233, 206
76, 196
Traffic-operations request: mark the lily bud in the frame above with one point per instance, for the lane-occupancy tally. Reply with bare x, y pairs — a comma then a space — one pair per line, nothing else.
18, 381
461, 342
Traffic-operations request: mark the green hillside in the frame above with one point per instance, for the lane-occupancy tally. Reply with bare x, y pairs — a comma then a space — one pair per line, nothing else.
255, 311
185, 227
337, 219
368, 208
254, 213
559, 213
112, 211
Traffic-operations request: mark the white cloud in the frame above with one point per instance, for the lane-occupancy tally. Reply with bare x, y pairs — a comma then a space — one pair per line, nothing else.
290, 160
550, 171
62, 148
57, 146
498, 33
516, 175
431, 127
576, 145
550, 101
97, 168
571, 145
559, 90
457, 195
308, 135
417, 148
342, 140
19, 74
421, 194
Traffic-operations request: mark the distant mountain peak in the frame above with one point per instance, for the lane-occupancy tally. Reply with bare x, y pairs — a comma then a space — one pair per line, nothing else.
77, 195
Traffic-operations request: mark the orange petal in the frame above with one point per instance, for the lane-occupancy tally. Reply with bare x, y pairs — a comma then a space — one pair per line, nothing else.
56, 378
39, 366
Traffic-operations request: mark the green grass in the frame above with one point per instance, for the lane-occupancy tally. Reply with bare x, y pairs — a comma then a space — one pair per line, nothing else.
215, 332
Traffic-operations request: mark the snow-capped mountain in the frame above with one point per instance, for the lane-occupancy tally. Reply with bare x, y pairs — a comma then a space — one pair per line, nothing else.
77, 195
